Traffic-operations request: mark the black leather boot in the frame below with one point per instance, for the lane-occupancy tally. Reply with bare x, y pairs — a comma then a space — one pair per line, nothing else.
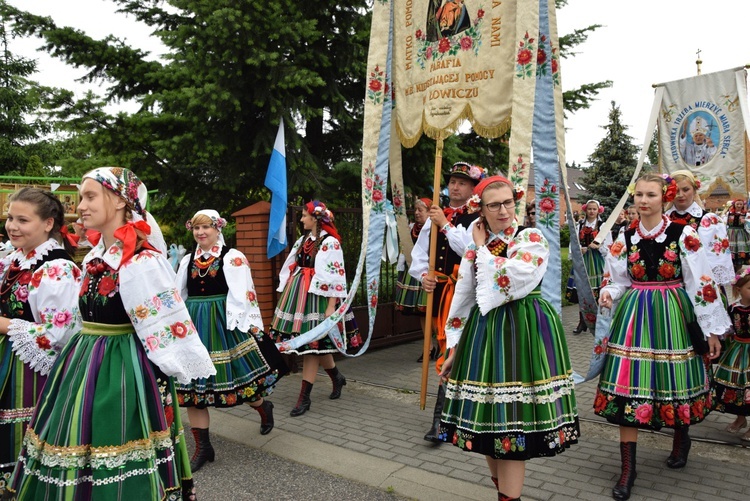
303, 402
621, 491
581, 324
503, 497
432, 435
681, 444
266, 416
204, 451
338, 380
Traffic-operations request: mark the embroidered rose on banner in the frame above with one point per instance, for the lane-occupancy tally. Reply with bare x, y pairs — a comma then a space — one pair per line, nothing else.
548, 203
378, 89
373, 190
525, 57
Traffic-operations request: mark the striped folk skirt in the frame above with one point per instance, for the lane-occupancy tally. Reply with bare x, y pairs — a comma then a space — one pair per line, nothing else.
20, 388
510, 393
107, 423
732, 378
410, 298
299, 311
739, 242
248, 365
652, 378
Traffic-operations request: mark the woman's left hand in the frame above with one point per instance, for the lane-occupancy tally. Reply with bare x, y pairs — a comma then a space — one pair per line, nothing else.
714, 347
445, 370
330, 309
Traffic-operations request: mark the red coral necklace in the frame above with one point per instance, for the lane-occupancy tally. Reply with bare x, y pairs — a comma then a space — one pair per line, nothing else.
664, 221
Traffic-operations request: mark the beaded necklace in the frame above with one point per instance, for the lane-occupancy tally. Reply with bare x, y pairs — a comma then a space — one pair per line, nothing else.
308, 245
202, 264
664, 222
496, 247
8, 283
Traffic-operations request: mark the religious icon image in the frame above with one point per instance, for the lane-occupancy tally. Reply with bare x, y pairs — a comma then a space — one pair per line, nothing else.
698, 138
447, 19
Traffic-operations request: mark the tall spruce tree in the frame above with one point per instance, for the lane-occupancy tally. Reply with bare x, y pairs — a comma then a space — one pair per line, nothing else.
612, 163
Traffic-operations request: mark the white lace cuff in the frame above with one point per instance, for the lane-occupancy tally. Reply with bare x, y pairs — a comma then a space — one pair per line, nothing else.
31, 346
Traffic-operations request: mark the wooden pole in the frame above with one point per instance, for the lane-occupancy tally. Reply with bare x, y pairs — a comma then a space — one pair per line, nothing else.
431, 273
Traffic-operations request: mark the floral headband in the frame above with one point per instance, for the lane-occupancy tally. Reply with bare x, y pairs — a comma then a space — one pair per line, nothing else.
475, 201
669, 190
742, 274
600, 206
689, 176
124, 184
217, 221
319, 211
464, 169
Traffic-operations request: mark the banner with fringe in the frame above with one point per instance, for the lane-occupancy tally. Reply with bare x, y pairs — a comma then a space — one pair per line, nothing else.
701, 128
452, 62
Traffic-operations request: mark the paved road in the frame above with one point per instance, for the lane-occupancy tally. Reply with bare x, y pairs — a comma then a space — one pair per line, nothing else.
242, 473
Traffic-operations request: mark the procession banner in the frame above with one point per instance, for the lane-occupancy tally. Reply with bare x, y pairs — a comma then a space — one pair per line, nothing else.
701, 128
454, 60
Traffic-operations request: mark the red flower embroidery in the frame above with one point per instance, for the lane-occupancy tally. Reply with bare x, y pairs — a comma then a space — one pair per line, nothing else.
43, 342
250, 296
503, 281
667, 414
179, 330
541, 56
666, 270
638, 271
106, 286
547, 205
524, 57
535, 237
36, 278
709, 293
444, 45
375, 85
456, 323
692, 243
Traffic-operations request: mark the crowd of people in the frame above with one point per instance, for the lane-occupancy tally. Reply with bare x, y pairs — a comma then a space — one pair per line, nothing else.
96, 361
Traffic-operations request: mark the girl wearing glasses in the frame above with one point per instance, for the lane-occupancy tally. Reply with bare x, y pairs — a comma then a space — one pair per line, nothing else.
509, 384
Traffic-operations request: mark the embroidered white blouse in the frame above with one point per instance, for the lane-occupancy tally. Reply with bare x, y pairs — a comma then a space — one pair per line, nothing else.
329, 279
498, 280
697, 276
52, 296
242, 308
157, 311
458, 238
713, 234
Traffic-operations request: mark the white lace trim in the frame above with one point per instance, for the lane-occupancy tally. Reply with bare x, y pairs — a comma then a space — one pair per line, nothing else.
27, 350
42, 250
723, 274
546, 393
89, 479
715, 321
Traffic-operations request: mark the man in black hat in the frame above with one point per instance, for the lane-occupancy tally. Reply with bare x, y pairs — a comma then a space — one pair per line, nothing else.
452, 240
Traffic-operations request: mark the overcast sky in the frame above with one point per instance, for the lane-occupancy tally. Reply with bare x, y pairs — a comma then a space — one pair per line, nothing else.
641, 42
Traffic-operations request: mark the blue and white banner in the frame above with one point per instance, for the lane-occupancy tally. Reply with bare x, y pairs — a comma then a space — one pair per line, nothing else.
276, 182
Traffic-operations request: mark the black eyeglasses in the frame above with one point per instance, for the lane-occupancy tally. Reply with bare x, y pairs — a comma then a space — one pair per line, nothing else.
495, 206
532, 213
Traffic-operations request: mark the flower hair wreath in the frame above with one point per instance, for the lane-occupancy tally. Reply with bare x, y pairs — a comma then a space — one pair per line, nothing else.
217, 223
739, 276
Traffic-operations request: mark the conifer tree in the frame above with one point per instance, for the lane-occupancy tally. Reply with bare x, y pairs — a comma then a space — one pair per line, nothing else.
612, 163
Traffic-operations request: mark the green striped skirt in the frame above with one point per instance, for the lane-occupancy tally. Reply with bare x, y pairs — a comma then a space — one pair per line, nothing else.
299, 311
732, 378
652, 378
510, 393
248, 365
19, 388
107, 423
410, 298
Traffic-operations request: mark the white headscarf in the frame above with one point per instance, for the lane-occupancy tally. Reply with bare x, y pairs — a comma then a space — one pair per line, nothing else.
218, 222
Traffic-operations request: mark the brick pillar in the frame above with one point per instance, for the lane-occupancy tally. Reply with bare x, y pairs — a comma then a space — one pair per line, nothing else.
252, 235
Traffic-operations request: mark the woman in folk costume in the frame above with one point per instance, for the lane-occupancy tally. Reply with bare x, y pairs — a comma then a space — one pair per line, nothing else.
39, 285
686, 208
732, 376
411, 298
739, 238
313, 283
218, 289
107, 421
652, 376
509, 390
593, 253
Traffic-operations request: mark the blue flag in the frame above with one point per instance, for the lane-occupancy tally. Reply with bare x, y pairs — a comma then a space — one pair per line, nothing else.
276, 182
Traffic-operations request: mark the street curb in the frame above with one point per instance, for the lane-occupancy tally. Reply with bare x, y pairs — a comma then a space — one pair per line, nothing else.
383, 474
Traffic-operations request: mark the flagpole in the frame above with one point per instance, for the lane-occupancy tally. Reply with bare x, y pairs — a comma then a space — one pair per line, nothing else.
431, 274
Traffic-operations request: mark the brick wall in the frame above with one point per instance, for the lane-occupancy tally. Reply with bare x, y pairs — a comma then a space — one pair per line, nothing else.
252, 235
